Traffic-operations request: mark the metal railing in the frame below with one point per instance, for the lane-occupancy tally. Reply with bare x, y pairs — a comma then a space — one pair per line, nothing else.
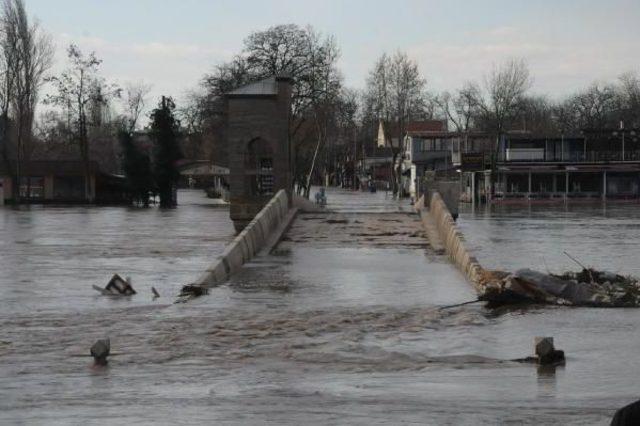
539, 155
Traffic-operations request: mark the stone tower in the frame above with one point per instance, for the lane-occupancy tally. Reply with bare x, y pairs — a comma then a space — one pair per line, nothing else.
257, 135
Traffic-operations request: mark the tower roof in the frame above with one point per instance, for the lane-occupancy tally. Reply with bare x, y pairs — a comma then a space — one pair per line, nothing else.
265, 87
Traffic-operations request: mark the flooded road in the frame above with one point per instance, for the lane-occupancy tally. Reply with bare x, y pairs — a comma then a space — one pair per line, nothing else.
343, 329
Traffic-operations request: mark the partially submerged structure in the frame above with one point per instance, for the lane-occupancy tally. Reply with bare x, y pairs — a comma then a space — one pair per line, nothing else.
430, 147
596, 164
593, 164
257, 132
588, 287
62, 181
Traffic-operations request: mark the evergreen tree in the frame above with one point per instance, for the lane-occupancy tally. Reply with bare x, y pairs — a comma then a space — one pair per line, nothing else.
164, 133
137, 169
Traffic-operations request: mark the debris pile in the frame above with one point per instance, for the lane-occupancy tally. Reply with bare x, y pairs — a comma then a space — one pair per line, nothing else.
117, 286
193, 290
588, 287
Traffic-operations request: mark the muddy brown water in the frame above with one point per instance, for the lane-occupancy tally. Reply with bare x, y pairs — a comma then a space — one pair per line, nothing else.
343, 329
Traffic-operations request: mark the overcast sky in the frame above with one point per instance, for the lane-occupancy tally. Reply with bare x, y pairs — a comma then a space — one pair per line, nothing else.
171, 44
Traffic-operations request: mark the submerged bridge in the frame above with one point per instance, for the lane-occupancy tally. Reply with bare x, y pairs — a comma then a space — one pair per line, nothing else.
264, 210
381, 225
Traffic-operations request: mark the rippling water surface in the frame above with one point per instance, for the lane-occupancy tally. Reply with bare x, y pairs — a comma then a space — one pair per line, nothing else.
336, 332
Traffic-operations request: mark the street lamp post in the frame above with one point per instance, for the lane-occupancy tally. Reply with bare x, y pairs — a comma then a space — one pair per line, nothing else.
622, 130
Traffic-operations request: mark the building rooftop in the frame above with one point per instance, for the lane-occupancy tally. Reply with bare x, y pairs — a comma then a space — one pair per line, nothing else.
52, 167
266, 87
427, 126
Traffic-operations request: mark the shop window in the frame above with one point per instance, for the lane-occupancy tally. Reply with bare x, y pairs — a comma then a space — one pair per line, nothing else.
32, 187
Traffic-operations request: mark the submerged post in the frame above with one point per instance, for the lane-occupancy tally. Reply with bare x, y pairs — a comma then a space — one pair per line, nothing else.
100, 351
546, 353
473, 188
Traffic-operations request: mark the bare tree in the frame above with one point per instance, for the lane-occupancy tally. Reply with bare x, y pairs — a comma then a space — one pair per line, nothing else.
324, 85
461, 108
395, 92
595, 106
9, 46
35, 56
78, 89
305, 55
629, 98
506, 86
27, 53
536, 114
135, 96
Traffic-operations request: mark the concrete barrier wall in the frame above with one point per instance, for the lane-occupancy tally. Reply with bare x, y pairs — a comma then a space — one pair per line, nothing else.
452, 239
247, 243
449, 192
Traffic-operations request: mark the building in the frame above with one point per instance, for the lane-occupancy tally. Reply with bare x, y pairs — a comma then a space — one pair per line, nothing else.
257, 131
430, 147
62, 181
375, 168
202, 174
595, 164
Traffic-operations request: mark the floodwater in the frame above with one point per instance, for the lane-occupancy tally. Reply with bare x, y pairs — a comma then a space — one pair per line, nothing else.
336, 327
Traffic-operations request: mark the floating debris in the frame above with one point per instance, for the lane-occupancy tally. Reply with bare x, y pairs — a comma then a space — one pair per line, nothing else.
192, 290
117, 286
588, 287
337, 221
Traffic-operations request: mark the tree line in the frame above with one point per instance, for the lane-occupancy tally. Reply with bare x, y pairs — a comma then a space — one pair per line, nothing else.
331, 125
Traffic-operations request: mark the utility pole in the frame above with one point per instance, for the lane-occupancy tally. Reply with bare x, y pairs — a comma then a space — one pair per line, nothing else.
355, 154
622, 130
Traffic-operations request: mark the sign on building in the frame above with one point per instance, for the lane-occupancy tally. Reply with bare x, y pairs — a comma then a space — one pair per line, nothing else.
472, 161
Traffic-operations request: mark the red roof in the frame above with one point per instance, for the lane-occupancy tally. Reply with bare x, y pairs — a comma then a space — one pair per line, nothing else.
426, 126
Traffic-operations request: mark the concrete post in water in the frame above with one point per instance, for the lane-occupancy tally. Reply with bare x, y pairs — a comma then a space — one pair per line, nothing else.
487, 186
100, 351
546, 352
473, 188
